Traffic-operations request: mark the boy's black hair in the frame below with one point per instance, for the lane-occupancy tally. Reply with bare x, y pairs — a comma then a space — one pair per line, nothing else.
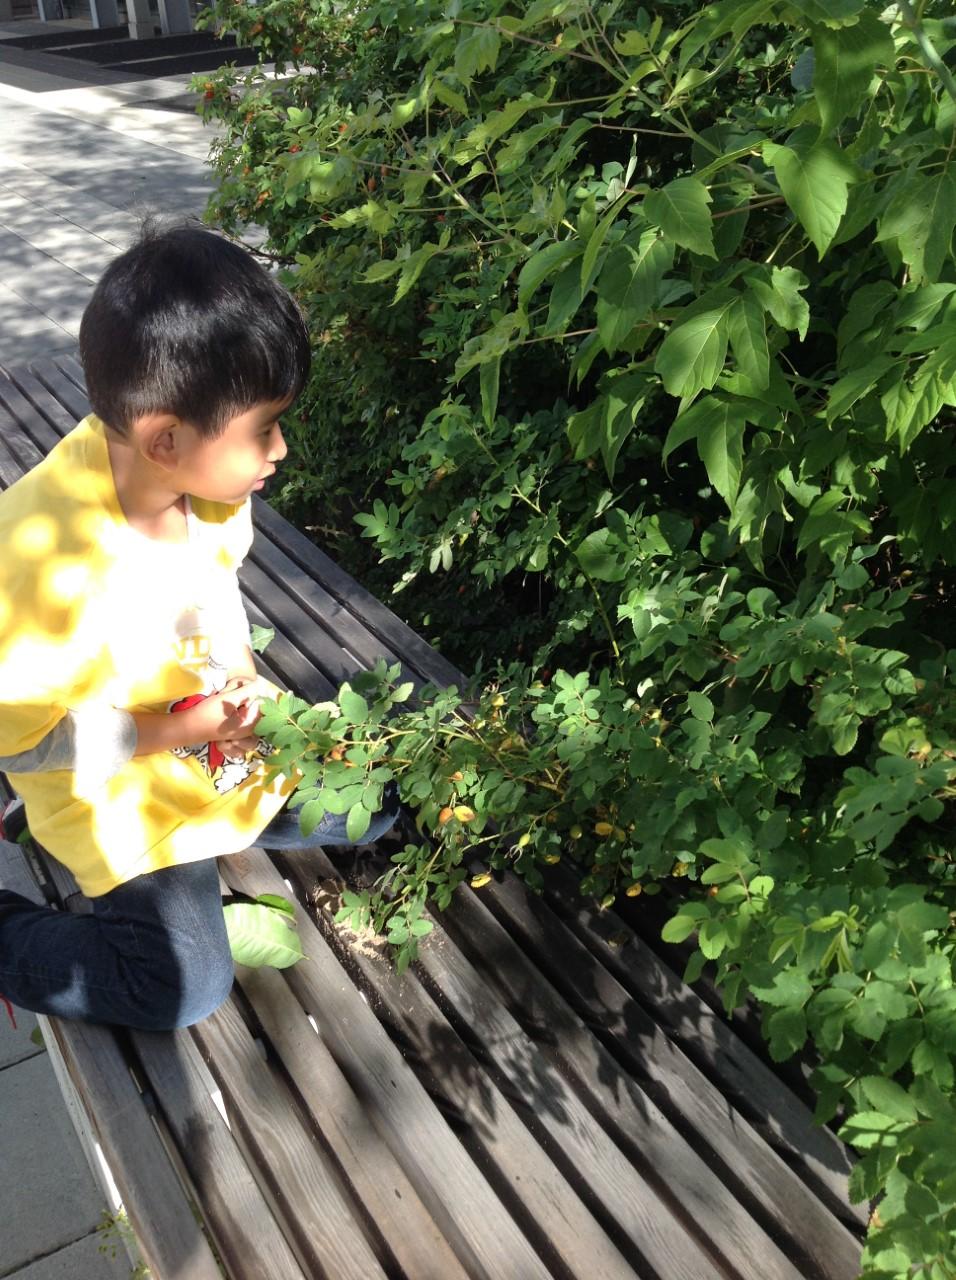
186, 322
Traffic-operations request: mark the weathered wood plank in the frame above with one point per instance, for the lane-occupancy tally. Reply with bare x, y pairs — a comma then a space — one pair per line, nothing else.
380, 1185
787, 1209
61, 388
304, 1189
18, 453
238, 1218
710, 1042
552, 1215
168, 1234
469, 1215
379, 619
59, 418
349, 632
324, 652
31, 425
286, 664
625, 1155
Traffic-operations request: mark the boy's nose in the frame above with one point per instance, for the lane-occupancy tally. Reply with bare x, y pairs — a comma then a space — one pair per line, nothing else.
279, 447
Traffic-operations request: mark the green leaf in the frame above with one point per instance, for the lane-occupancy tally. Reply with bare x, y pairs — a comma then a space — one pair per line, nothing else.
261, 637
854, 385
844, 61
310, 815
747, 331
920, 216
834, 12
543, 264
813, 177
260, 935
628, 287
830, 526
354, 707
869, 1129
678, 928
278, 902
624, 401
596, 241
700, 706
788, 1032
413, 266
489, 376
599, 556
680, 210
692, 354
358, 822
790, 987
717, 424
782, 298
889, 1098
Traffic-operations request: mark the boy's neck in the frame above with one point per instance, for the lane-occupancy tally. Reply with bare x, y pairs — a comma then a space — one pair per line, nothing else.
149, 507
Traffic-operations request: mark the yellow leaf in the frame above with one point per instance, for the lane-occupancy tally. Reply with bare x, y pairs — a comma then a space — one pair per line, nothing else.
633, 890
603, 828
479, 881
552, 859
463, 813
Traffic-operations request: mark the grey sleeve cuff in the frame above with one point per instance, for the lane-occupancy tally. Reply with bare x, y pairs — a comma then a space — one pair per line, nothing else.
93, 743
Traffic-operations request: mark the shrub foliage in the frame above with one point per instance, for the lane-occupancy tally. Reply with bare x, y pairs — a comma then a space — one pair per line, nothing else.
636, 365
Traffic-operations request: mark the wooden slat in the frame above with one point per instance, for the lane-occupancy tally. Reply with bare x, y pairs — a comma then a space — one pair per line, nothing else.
380, 620
325, 653
614, 1141
287, 665
378, 1181
59, 418
787, 1209
72, 368
308, 1198
166, 1230
469, 1215
62, 389
18, 453
236, 1214
349, 632
30, 424
547, 1208
710, 1042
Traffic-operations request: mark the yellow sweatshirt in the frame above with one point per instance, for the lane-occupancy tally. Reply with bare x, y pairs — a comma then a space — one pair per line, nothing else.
95, 615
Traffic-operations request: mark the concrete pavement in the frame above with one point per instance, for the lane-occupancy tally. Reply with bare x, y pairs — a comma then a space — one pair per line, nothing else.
79, 167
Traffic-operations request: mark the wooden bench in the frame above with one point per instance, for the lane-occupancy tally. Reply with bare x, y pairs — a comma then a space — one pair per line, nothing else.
539, 1096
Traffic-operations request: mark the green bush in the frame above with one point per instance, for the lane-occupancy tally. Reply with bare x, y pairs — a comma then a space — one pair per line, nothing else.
639, 334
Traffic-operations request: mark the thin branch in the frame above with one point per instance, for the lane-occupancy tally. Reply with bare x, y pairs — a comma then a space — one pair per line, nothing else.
927, 47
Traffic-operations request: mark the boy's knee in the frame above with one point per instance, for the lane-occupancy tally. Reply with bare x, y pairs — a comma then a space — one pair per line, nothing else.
188, 994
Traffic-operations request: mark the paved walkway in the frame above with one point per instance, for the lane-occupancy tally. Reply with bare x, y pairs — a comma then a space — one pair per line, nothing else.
78, 165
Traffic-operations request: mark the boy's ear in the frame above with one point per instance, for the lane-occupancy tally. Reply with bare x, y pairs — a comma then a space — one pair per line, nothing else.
160, 439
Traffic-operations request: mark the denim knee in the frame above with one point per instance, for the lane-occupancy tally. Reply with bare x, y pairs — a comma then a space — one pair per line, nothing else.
189, 989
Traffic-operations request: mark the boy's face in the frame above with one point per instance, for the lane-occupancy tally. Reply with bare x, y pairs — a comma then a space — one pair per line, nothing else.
237, 463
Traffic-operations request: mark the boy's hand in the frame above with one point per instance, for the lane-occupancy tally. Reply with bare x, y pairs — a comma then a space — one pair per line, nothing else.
239, 748
228, 718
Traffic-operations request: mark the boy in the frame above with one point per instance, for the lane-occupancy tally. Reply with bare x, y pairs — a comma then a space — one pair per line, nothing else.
128, 690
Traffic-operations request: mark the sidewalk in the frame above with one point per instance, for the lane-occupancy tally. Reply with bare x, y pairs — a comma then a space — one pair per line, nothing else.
78, 163
79, 166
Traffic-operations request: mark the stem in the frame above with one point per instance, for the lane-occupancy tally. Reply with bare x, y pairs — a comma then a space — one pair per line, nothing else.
927, 48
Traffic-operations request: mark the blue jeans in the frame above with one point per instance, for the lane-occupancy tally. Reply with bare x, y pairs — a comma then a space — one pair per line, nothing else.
153, 953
